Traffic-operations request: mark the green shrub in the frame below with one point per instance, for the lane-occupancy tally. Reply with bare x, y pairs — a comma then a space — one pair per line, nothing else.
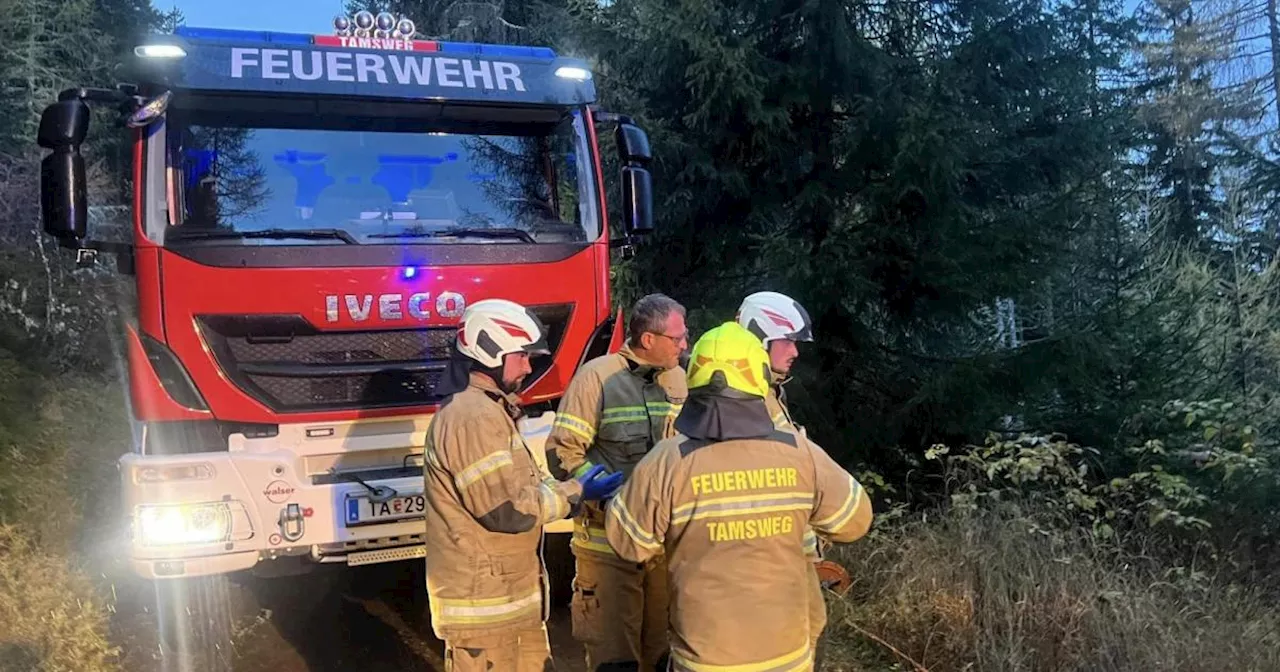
1187, 467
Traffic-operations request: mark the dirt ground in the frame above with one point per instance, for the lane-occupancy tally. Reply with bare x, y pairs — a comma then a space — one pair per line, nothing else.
372, 619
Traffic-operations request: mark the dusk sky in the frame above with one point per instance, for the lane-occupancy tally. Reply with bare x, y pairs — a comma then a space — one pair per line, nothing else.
301, 16
315, 16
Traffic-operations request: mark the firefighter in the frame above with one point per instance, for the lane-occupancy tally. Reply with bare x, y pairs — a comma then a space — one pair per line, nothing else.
727, 500
615, 409
780, 322
488, 498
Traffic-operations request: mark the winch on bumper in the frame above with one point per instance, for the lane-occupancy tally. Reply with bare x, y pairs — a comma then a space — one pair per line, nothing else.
338, 492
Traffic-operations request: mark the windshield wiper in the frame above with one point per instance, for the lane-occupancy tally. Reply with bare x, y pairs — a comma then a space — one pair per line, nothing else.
509, 234
279, 234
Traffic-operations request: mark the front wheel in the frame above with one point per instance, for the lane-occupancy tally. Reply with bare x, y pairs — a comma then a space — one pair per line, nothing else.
195, 622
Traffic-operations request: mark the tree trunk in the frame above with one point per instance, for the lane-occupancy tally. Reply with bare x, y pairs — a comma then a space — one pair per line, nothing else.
1273, 26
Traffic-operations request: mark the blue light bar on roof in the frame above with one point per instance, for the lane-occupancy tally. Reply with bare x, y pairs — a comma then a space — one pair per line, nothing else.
232, 35
496, 50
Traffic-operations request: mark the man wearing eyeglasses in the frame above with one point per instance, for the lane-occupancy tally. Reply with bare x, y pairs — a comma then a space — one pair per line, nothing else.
616, 408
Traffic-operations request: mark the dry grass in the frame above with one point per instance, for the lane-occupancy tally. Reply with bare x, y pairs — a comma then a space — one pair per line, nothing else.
59, 437
49, 620
992, 593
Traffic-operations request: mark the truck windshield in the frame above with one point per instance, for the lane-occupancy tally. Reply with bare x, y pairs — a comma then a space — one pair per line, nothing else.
256, 185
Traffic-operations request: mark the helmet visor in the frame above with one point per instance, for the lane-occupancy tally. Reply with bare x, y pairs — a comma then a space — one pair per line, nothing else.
540, 346
805, 333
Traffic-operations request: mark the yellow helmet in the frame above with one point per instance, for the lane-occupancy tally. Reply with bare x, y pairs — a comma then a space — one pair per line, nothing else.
736, 355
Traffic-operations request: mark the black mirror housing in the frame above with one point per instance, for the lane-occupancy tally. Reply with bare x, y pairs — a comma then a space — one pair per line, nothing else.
637, 198
64, 196
64, 124
637, 182
633, 143
64, 201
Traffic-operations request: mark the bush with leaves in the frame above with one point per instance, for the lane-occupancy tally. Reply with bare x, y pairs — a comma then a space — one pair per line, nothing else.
1210, 460
1207, 468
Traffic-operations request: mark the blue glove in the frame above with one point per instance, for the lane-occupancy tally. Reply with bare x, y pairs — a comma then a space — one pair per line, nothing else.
594, 489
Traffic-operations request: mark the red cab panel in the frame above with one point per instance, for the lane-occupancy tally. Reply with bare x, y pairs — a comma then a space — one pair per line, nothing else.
147, 394
277, 345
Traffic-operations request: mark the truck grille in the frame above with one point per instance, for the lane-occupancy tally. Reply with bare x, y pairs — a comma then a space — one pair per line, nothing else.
290, 366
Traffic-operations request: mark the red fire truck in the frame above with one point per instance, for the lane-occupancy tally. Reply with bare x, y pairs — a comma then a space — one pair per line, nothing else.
312, 213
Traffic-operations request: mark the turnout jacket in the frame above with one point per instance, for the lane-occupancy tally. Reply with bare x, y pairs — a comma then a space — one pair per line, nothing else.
616, 408
730, 517
776, 403
487, 500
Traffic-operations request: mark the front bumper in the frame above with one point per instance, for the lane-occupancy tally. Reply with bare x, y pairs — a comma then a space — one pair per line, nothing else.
283, 497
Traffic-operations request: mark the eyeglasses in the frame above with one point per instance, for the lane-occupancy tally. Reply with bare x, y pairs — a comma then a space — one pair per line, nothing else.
682, 338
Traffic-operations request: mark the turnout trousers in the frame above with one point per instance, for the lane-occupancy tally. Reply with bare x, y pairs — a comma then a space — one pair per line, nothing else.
619, 612
519, 651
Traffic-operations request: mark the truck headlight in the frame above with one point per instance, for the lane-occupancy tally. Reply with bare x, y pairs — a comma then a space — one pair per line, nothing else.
184, 524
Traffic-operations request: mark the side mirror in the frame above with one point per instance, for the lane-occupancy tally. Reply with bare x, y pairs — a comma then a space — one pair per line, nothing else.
637, 183
637, 197
63, 192
633, 143
64, 124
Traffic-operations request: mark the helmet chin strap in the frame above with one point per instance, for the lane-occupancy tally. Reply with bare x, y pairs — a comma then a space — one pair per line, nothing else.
508, 388
494, 373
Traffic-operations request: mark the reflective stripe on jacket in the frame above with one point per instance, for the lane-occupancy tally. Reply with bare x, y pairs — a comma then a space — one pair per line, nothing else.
487, 500
776, 403
730, 517
615, 409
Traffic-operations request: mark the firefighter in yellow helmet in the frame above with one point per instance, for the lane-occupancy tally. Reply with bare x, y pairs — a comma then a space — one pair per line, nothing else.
728, 500
615, 409
780, 322
487, 499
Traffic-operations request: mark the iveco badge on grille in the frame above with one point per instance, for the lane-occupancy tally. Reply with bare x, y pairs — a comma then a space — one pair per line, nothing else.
392, 307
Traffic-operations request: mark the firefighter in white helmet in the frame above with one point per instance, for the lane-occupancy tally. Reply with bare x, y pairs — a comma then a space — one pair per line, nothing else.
487, 499
780, 322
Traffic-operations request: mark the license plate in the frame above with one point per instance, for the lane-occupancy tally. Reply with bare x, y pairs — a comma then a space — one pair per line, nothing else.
363, 511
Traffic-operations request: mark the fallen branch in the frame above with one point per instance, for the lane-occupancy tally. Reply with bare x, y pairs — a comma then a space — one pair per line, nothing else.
873, 637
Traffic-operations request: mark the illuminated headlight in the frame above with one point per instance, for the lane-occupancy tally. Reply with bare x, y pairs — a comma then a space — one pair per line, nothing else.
570, 72
184, 524
159, 51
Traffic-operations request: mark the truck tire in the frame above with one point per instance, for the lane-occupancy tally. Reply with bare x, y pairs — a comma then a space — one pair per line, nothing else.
195, 622
560, 568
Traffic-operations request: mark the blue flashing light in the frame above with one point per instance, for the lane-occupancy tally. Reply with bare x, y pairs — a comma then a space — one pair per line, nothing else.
233, 35
409, 272
504, 50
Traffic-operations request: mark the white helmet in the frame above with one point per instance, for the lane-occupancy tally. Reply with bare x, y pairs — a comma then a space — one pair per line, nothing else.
770, 316
493, 328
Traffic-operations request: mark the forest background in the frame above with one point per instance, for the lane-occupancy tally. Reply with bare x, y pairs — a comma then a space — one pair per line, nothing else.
1038, 239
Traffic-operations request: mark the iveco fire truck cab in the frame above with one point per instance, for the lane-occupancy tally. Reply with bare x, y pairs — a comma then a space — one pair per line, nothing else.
312, 214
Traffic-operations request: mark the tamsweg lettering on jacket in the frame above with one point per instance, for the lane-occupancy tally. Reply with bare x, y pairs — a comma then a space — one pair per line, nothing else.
345, 66
753, 528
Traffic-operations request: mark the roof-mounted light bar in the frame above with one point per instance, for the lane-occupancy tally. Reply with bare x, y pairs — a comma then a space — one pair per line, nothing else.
159, 51
496, 50
573, 72
367, 32
383, 26
234, 35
